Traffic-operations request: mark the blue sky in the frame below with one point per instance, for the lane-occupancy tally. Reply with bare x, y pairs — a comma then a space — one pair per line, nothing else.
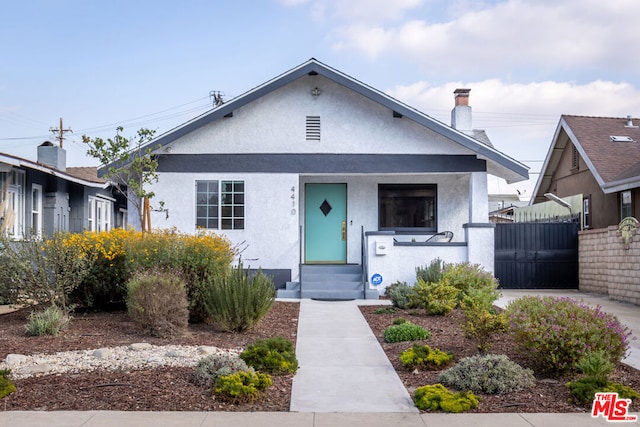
153, 63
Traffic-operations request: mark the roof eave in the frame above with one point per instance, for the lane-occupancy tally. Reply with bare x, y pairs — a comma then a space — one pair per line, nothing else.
508, 168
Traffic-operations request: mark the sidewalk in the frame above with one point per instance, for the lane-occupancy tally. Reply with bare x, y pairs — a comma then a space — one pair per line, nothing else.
291, 419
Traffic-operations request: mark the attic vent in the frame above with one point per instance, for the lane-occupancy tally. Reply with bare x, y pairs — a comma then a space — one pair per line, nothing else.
313, 128
614, 138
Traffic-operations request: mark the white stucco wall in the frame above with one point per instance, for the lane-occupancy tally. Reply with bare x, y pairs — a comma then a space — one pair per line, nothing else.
270, 237
350, 123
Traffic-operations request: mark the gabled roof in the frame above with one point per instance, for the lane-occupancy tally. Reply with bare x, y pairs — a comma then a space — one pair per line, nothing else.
609, 147
86, 176
498, 163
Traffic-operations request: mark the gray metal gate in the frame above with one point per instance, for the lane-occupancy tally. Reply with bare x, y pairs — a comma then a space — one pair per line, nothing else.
537, 255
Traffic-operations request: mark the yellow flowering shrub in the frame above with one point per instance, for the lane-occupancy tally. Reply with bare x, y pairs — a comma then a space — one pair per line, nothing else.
119, 253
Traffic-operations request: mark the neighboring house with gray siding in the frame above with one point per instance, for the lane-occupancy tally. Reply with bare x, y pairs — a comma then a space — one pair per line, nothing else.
43, 197
324, 181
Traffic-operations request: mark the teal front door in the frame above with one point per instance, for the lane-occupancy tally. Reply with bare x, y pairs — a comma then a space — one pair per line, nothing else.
325, 223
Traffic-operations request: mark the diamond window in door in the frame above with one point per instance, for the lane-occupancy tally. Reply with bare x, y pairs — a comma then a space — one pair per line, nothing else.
325, 207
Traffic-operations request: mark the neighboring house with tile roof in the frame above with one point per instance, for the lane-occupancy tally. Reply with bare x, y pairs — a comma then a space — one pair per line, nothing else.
314, 170
45, 196
598, 159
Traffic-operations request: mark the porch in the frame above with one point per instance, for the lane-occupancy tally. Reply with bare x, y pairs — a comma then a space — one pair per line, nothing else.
386, 258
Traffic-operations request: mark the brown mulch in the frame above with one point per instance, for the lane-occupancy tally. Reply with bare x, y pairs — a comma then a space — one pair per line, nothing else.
548, 395
164, 389
174, 389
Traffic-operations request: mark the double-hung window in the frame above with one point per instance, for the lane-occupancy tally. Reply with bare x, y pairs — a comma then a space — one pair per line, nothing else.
407, 207
36, 209
100, 214
220, 205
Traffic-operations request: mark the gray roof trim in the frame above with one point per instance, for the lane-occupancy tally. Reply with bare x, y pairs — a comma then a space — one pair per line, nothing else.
313, 65
24, 163
320, 163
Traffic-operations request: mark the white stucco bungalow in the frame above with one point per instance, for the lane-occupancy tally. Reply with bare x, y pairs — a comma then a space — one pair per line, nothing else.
329, 185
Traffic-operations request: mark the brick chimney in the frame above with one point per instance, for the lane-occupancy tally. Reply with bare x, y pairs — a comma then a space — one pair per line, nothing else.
461, 113
53, 156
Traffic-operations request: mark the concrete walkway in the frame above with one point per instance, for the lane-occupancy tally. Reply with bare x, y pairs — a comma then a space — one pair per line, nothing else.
342, 366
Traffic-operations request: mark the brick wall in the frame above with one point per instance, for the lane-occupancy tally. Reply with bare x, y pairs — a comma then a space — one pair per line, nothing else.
608, 266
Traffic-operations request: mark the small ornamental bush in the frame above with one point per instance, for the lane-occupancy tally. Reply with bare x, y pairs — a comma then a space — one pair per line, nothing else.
273, 355
584, 390
399, 320
210, 368
157, 302
435, 298
48, 322
242, 387
6, 386
481, 322
596, 368
556, 332
406, 331
491, 373
436, 397
423, 356
386, 310
471, 279
431, 273
237, 301
399, 293
42, 272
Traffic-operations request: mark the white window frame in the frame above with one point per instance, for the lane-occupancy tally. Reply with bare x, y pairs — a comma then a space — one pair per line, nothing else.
15, 202
100, 215
228, 206
36, 209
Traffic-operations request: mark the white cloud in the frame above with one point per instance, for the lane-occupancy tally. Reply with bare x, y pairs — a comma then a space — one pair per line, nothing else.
521, 118
528, 35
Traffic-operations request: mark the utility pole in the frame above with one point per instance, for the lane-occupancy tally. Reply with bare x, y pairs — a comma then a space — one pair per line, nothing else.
60, 131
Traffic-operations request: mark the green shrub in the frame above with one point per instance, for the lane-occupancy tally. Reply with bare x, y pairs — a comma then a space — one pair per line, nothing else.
584, 390
51, 321
243, 386
386, 310
423, 356
491, 373
273, 355
473, 280
556, 332
400, 293
596, 364
431, 273
237, 301
436, 397
596, 367
399, 320
210, 368
43, 272
6, 386
435, 298
406, 331
157, 302
203, 257
481, 323
118, 253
